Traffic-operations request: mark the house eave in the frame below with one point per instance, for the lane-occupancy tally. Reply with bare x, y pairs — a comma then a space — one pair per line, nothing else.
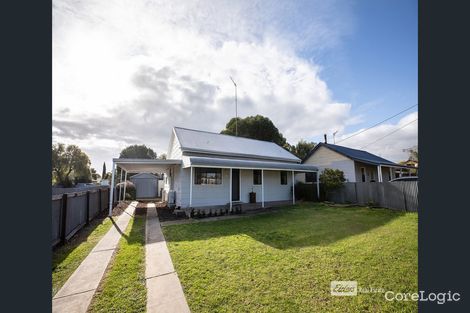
240, 155
248, 164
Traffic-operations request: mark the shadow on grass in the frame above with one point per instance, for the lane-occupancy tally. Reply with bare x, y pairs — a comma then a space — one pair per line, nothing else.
61, 252
303, 225
122, 288
134, 234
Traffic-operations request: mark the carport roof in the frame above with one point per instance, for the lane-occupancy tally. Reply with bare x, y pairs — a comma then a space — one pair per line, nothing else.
145, 165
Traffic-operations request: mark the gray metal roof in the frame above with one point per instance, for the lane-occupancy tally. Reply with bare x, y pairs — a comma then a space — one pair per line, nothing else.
212, 143
145, 165
249, 164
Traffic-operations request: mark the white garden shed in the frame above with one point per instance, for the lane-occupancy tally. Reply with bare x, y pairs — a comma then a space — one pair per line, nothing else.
146, 185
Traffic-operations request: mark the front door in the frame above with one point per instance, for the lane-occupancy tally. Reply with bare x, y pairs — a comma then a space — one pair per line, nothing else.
235, 184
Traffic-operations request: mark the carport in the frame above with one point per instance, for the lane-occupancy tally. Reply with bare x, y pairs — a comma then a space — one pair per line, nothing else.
137, 166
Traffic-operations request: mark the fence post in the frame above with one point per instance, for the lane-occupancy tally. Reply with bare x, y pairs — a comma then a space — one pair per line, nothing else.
99, 200
87, 207
404, 196
64, 218
382, 194
100, 196
355, 192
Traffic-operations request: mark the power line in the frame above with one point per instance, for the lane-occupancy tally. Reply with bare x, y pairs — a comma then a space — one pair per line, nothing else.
388, 134
377, 123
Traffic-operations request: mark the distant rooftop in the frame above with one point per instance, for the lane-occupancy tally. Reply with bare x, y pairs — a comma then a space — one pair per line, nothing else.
219, 144
355, 154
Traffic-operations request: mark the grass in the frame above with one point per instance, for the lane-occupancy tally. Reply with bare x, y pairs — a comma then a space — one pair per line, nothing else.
66, 258
122, 288
285, 261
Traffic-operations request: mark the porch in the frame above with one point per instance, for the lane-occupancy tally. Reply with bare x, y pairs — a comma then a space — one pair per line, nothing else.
368, 172
219, 183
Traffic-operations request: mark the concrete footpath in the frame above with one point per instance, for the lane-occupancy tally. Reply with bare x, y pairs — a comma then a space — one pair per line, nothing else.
164, 290
76, 294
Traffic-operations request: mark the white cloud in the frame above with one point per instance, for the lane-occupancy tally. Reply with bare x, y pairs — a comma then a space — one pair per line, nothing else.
378, 141
125, 72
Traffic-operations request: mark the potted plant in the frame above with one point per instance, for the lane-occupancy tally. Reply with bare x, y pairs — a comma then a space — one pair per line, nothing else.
252, 196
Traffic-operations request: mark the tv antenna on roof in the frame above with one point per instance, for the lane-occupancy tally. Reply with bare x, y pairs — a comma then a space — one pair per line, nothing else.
236, 107
334, 134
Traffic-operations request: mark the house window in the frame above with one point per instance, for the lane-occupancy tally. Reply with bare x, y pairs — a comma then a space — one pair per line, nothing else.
283, 178
257, 179
310, 177
207, 176
372, 176
363, 174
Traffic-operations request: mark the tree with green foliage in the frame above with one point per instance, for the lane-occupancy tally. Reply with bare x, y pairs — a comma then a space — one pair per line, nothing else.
94, 174
256, 127
69, 164
137, 152
103, 172
302, 148
413, 154
331, 179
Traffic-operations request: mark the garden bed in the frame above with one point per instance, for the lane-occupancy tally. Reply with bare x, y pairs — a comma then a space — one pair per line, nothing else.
167, 214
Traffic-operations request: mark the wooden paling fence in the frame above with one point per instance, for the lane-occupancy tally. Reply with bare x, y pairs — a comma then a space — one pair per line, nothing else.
72, 211
400, 195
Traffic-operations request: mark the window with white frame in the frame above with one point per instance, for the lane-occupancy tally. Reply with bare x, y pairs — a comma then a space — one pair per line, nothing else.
310, 177
207, 176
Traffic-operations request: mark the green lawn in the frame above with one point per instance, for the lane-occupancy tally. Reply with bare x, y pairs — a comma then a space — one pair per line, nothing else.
122, 288
285, 261
66, 258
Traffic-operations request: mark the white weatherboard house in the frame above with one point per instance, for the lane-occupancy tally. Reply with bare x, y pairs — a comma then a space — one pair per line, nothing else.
205, 170
357, 165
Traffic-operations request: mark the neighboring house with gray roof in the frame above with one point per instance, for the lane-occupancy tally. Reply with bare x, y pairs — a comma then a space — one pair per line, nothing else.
357, 165
207, 170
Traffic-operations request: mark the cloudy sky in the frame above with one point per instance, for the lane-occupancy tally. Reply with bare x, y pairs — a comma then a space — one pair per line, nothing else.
125, 72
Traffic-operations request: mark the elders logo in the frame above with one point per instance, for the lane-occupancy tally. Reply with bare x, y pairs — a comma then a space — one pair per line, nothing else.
343, 288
